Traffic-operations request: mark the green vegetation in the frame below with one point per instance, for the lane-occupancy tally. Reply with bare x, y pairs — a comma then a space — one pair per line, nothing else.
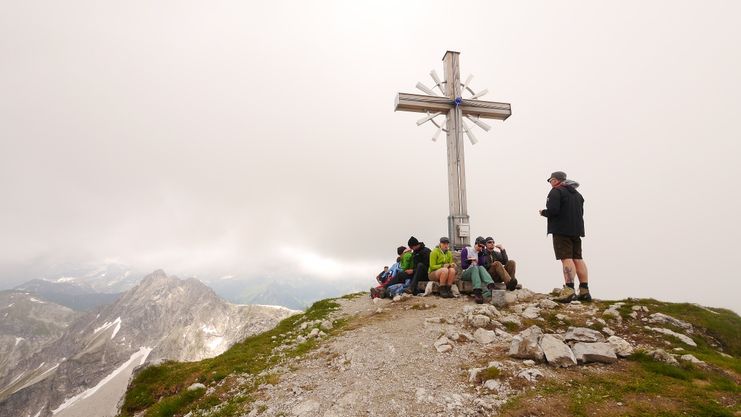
635, 391
354, 295
643, 386
162, 390
491, 372
721, 324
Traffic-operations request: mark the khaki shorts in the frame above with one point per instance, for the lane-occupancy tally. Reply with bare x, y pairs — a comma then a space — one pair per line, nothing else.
567, 247
435, 275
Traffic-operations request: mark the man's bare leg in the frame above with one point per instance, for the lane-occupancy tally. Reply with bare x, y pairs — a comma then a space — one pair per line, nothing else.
569, 270
581, 273
581, 270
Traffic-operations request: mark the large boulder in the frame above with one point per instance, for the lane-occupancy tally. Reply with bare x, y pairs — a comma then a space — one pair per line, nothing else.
594, 352
502, 298
556, 352
484, 336
684, 338
531, 313
526, 345
621, 346
479, 320
664, 319
547, 304
583, 334
663, 356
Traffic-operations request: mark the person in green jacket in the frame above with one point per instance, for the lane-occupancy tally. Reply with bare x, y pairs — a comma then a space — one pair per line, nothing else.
406, 267
442, 267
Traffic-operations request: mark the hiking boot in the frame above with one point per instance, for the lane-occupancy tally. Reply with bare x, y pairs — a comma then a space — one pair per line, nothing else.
491, 287
584, 295
512, 284
566, 295
445, 292
477, 296
375, 292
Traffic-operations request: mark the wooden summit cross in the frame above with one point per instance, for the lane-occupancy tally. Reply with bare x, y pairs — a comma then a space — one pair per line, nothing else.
455, 108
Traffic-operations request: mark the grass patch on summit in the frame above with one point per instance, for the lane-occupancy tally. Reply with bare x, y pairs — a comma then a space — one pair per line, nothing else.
642, 386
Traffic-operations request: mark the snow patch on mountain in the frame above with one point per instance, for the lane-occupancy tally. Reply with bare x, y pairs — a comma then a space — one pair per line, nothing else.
214, 343
210, 329
108, 325
140, 355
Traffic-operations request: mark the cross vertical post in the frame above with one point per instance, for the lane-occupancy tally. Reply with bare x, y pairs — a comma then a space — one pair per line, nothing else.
458, 226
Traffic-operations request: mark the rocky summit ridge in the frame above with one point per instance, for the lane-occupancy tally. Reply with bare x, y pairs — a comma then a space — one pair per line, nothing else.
428, 356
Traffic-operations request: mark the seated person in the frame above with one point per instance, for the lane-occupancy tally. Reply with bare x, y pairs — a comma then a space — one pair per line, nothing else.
383, 276
472, 261
442, 268
420, 263
500, 267
389, 277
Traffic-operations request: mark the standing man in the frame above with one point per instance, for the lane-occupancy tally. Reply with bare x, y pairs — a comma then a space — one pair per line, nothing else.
565, 213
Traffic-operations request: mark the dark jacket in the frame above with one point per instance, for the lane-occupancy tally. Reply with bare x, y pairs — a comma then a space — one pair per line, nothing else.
565, 210
421, 255
495, 256
465, 263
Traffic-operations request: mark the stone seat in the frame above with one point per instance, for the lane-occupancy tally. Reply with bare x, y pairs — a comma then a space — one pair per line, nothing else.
465, 287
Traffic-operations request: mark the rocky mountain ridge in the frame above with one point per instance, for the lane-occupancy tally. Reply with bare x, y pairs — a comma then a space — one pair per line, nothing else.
77, 296
427, 356
162, 318
27, 324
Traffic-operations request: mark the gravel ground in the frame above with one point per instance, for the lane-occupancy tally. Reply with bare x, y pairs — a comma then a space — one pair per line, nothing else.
388, 364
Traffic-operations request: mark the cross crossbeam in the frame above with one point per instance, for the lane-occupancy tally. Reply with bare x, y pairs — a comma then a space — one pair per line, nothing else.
422, 104
455, 107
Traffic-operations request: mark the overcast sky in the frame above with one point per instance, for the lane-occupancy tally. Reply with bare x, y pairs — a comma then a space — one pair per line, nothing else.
220, 137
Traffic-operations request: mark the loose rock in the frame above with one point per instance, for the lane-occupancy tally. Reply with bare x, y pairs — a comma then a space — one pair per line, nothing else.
480, 320
526, 344
612, 314
492, 385
594, 352
556, 352
547, 304
531, 313
484, 336
511, 319
685, 339
691, 359
583, 334
444, 348
621, 346
663, 356
531, 374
